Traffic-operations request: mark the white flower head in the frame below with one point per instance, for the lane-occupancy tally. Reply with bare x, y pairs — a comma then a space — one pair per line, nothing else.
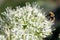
27, 23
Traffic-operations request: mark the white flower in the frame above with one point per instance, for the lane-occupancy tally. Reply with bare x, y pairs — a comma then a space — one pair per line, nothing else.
2, 37
26, 23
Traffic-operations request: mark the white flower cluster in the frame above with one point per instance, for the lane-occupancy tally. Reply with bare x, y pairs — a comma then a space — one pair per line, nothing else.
2, 37
26, 23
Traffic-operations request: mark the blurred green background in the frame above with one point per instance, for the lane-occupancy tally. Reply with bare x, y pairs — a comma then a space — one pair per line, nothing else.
13, 3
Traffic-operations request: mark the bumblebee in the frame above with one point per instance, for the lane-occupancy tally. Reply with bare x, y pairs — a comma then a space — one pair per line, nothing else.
51, 16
